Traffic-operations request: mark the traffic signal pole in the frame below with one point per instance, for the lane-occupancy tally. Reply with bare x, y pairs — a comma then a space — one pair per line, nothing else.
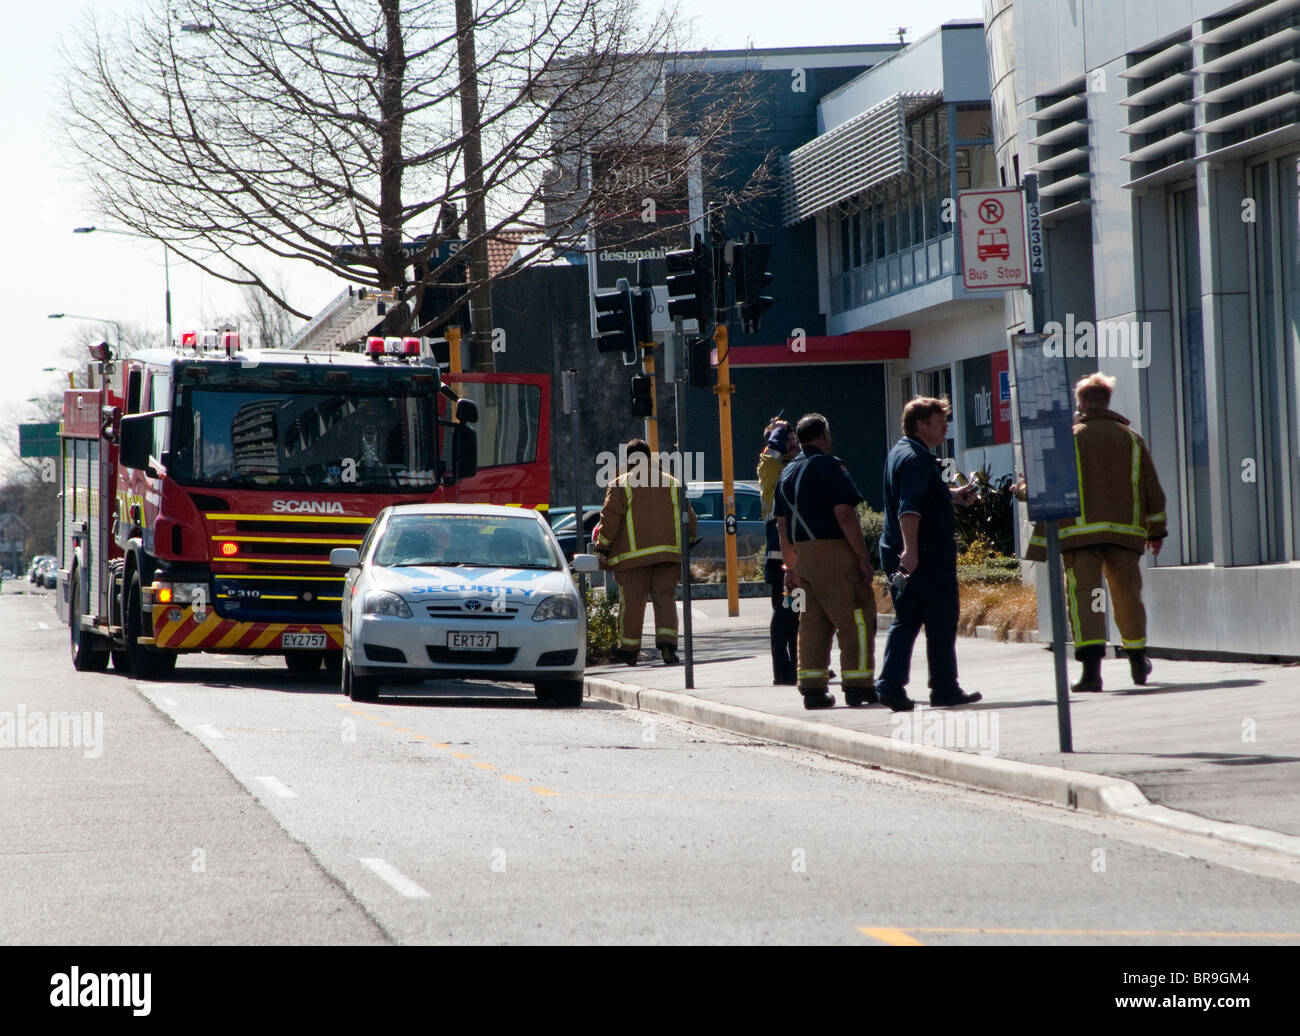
651, 422
723, 390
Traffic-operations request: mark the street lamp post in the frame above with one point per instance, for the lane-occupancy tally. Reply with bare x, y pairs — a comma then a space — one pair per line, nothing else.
102, 320
167, 272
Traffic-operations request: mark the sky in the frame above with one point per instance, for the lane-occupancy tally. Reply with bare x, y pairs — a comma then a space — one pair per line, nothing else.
48, 269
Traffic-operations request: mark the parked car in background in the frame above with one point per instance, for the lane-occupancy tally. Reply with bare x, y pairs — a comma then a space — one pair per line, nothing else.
563, 528
47, 575
706, 499
37, 562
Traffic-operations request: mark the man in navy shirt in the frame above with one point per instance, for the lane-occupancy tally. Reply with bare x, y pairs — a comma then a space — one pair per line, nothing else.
828, 569
919, 540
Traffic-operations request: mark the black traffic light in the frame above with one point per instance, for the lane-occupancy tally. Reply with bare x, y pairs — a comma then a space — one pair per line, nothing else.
642, 402
616, 322
699, 372
690, 284
749, 270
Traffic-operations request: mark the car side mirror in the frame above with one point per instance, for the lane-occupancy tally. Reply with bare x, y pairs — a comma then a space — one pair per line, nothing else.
585, 563
345, 557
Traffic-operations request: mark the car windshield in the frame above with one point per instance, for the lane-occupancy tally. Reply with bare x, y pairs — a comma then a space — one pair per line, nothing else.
477, 540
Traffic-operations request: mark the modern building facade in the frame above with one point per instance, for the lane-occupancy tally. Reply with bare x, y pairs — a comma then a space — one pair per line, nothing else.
1165, 140
879, 184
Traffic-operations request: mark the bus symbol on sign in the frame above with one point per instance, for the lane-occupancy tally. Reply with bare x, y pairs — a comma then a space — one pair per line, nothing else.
993, 244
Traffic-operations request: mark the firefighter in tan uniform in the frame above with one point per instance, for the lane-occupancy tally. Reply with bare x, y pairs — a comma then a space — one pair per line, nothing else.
826, 558
641, 542
1121, 513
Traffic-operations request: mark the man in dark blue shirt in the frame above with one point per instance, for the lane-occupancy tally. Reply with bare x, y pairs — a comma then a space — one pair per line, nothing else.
827, 569
919, 541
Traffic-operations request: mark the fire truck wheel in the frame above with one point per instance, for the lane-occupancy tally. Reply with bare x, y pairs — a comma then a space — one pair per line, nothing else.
359, 688
567, 694
121, 662
303, 663
85, 659
333, 661
146, 663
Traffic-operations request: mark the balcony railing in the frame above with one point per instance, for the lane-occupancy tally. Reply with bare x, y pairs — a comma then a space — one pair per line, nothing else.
920, 264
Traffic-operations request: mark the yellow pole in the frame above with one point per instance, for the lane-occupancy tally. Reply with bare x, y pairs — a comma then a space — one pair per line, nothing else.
453, 354
651, 422
453, 348
723, 390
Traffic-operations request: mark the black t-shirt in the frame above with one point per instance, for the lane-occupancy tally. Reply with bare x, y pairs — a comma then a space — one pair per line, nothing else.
914, 483
814, 483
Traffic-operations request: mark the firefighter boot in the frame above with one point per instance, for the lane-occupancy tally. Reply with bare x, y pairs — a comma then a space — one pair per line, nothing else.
1139, 666
1090, 656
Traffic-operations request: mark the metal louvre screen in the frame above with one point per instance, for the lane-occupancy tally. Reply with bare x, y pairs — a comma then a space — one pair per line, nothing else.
866, 150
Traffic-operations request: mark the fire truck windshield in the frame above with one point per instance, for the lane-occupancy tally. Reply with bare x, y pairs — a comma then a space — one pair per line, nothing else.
347, 439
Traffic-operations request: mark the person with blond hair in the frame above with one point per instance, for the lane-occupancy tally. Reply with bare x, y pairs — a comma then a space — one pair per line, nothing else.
1121, 514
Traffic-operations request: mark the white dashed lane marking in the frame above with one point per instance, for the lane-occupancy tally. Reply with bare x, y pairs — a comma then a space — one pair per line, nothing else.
395, 878
276, 788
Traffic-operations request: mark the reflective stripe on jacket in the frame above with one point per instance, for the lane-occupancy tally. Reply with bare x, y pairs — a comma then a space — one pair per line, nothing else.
1120, 498
639, 524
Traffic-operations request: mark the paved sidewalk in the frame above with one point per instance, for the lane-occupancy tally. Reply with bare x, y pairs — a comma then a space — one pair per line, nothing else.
1216, 740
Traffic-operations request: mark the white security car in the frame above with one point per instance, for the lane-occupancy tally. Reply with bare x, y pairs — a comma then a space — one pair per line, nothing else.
442, 591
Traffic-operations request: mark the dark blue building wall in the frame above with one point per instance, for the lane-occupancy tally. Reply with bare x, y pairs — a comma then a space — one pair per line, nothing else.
781, 120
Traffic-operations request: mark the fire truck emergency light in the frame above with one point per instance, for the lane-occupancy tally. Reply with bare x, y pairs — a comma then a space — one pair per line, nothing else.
230, 342
189, 339
374, 347
229, 549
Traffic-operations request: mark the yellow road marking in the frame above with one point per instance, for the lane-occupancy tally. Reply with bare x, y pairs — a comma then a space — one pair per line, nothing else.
461, 755
1108, 932
512, 777
484, 766
892, 936
544, 791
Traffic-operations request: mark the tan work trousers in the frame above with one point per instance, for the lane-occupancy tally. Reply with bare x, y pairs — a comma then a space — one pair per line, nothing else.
659, 582
1084, 569
836, 602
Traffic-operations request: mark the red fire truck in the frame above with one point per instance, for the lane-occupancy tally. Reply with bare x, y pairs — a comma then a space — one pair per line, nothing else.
204, 487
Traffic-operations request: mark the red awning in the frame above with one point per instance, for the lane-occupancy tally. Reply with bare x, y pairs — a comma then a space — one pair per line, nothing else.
854, 347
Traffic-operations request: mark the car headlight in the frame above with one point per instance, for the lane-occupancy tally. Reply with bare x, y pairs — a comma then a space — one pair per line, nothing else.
381, 602
560, 607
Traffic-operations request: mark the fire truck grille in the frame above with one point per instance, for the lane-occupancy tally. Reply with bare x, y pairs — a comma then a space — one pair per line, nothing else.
269, 568
290, 597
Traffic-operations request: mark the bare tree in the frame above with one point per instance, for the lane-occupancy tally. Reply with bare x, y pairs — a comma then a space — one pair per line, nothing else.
364, 136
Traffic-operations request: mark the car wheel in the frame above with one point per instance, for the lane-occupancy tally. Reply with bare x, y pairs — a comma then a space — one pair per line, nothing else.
146, 663
85, 659
567, 694
359, 688
303, 663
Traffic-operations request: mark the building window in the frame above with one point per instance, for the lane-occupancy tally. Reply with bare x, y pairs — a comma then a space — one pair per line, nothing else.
1193, 445
1275, 261
891, 232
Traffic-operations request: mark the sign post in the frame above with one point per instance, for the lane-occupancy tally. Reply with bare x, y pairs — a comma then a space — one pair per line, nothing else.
1002, 248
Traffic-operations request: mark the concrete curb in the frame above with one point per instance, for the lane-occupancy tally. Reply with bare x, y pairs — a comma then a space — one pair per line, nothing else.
1055, 786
